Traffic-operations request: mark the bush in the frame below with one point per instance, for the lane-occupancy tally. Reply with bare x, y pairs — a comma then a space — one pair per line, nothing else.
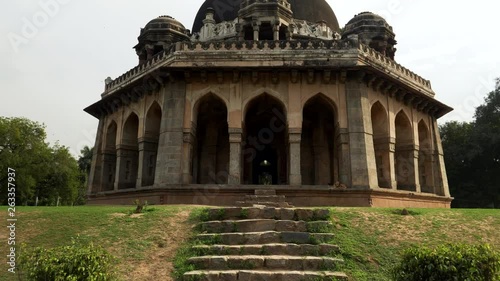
76, 262
449, 262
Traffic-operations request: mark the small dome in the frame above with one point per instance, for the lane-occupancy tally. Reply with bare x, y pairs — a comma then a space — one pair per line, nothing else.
366, 19
164, 22
374, 31
158, 35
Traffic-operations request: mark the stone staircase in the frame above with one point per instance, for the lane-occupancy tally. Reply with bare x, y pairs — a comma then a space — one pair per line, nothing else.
265, 241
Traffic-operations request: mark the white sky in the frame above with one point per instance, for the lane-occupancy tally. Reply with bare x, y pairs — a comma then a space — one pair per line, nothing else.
59, 68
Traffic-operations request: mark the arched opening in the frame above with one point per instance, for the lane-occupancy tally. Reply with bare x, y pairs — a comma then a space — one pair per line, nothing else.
282, 32
265, 160
109, 158
266, 31
404, 155
317, 143
425, 158
211, 157
381, 144
129, 153
248, 32
149, 145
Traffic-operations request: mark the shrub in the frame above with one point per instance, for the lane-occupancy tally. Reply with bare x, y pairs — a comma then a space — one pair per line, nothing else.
76, 262
449, 262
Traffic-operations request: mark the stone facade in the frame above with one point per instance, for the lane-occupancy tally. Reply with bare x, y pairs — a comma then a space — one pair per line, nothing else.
268, 101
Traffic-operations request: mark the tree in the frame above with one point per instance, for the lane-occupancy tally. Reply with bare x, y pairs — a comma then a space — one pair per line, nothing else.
23, 148
486, 138
43, 173
84, 164
472, 155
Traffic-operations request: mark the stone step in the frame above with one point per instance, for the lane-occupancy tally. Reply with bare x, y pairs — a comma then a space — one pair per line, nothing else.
261, 275
270, 249
265, 192
232, 213
265, 237
265, 198
265, 262
262, 203
256, 225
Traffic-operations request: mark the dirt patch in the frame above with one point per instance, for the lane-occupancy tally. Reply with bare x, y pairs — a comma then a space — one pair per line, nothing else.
171, 232
117, 215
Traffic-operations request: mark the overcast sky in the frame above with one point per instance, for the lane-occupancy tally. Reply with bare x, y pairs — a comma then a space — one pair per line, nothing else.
54, 60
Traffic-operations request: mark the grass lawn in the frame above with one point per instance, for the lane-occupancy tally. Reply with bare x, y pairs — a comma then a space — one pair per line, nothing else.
144, 245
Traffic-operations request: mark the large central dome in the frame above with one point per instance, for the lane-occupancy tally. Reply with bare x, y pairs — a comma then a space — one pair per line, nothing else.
310, 10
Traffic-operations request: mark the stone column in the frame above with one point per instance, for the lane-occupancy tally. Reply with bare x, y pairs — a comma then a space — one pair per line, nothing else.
235, 157
295, 177
385, 149
95, 183
440, 177
148, 149
276, 31
256, 28
344, 157
362, 155
187, 153
169, 164
126, 167
108, 170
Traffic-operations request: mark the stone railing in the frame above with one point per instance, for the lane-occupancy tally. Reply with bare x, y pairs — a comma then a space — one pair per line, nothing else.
246, 3
267, 45
138, 70
393, 66
363, 50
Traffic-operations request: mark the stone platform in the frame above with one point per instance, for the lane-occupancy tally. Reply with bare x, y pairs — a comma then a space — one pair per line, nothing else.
300, 196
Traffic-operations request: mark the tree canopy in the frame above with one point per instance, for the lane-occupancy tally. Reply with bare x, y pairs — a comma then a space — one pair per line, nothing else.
472, 155
49, 173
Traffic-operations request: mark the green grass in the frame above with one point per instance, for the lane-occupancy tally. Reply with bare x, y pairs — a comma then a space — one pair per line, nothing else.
372, 240
128, 237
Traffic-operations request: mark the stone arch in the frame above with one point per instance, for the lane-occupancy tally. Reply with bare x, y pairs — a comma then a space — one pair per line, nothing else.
128, 153
425, 167
199, 98
381, 144
265, 145
258, 94
149, 145
319, 162
211, 144
405, 153
109, 157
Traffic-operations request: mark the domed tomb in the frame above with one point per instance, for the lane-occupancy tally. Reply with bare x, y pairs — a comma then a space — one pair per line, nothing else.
374, 31
310, 10
158, 35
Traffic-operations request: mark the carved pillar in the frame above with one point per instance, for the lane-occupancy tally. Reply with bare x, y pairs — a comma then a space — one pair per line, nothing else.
363, 166
126, 167
276, 31
187, 153
148, 149
108, 170
295, 177
169, 164
94, 183
256, 28
344, 157
235, 157
407, 167
384, 156
440, 177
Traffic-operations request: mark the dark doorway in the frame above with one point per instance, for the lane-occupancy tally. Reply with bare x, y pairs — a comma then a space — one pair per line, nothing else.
265, 155
266, 167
